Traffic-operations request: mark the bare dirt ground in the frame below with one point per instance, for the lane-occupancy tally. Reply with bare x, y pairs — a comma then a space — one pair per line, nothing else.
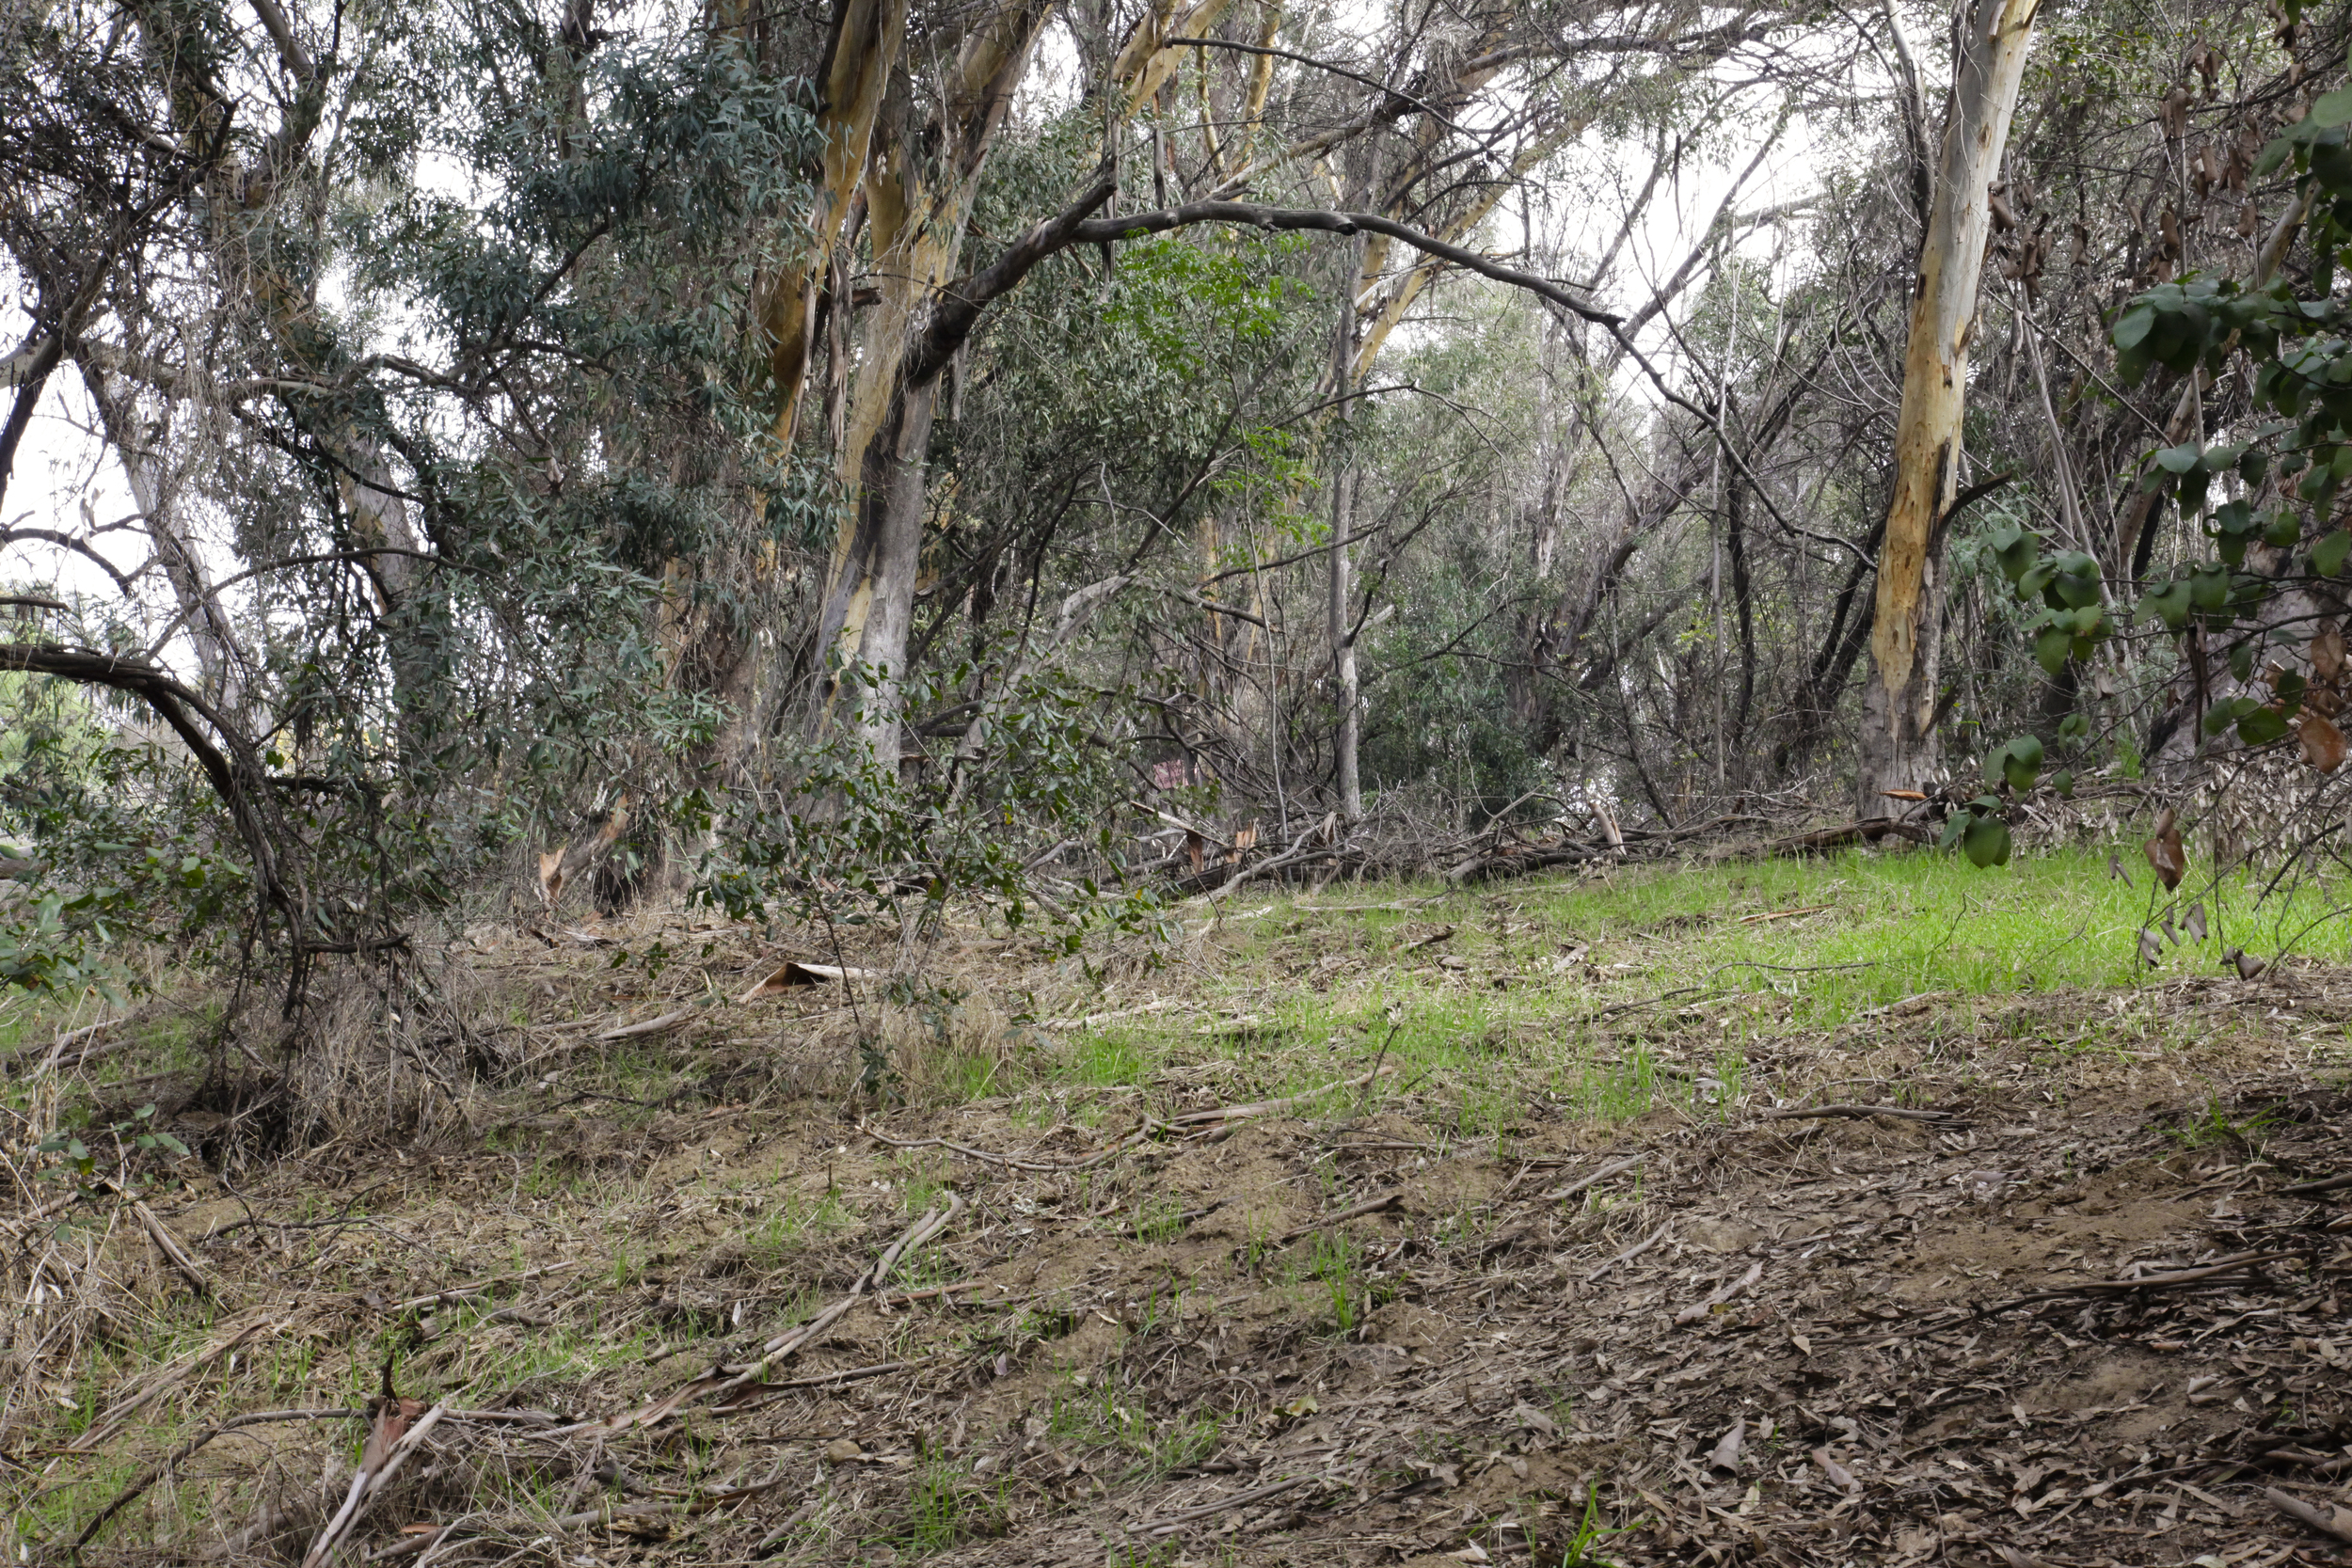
2061, 1305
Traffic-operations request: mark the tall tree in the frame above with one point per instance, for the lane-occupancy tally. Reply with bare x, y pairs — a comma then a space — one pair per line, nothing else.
1901, 702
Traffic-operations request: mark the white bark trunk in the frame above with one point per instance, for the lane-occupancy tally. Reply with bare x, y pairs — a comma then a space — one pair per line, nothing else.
1899, 750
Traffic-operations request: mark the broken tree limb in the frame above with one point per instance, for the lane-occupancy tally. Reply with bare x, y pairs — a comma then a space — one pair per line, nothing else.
1601, 1174
661, 1025
371, 1480
1354, 1211
1014, 1161
1269, 1107
2174, 1279
169, 1244
1700, 1311
1630, 1253
1167, 1523
1901, 1113
148, 1477
2328, 1521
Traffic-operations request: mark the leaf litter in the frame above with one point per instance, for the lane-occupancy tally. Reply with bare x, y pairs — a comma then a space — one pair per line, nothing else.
1950, 1300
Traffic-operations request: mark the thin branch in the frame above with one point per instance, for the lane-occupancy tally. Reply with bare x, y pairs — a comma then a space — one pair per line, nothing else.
1378, 86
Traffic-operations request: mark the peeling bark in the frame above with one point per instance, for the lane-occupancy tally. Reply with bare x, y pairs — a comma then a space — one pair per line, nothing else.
1899, 749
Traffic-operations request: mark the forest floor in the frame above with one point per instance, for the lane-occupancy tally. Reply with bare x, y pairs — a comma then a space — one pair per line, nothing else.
1387, 1224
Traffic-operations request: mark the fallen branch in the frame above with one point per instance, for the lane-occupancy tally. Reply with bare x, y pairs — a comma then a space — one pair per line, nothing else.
2335, 1521
2313, 1189
1601, 1174
1159, 1005
148, 1477
1167, 1523
1270, 1107
1698, 1311
661, 1025
1354, 1211
1903, 1113
19, 1225
460, 1292
2174, 1280
1513, 863
719, 1383
164, 1379
372, 1479
1014, 1161
169, 1244
1630, 1253
755, 1394
1297, 855
1867, 831
717, 1496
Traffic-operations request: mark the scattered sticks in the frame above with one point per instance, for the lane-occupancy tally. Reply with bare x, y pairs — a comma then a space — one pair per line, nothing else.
1015, 1162
460, 1292
1167, 1524
719, 1383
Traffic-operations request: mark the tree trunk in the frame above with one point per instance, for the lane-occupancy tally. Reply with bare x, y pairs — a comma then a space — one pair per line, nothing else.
219, 656
1345, 733
1899, 750
1345, 691
918, 206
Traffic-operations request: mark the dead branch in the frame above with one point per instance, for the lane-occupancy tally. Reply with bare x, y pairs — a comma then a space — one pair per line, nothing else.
1370, 1206
1901, 1113
148, 1477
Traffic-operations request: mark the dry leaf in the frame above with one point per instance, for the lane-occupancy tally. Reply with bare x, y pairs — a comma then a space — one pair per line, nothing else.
1837, 1474
2327, 651
551, 877
1726, 1454
2164, 850
2249, 966
2194, 920
841, 1450
2116, 872
2322, 742
1902, 794
791, 974
2150, 948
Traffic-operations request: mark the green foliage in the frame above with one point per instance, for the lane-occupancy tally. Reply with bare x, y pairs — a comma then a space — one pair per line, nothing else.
857, 839
2289, 467
124, 843
73, 1141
